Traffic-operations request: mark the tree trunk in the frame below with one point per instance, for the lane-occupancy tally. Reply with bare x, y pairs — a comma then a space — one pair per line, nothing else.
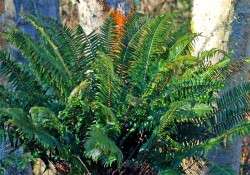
92, 13
224, 24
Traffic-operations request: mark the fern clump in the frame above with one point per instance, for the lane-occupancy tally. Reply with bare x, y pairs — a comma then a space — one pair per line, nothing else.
128, 98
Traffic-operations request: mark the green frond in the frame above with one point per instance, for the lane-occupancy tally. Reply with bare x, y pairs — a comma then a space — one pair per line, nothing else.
182, 111
145, 48
31, 131
165, 120
87, 50
109, 86
48, 40
62, 37
46, 66
110, 37
218, 70
221, 170
184, 45
241, 129
134, 23
197, 88
208, 54
97, 146
104, 113
232, 106
20, 81
42, 116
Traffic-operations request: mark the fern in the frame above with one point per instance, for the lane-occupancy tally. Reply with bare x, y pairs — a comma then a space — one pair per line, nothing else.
145, 45
231, 109
122, 58
30, 130
184, 45
41, 29
41, 61
130, 95
19, 80
109, 84
221, 170
87, 50
98, 145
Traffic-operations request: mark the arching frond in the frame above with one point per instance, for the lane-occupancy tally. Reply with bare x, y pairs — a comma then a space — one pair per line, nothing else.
146, 46
41, 60
48, 39
31, 131
20, 81
109, 85
110, 36
88, 48
231, 108
97, 145
184, 45
122, 59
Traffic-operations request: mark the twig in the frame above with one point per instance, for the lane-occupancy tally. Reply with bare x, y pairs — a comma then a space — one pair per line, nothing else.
82, 164
129, 156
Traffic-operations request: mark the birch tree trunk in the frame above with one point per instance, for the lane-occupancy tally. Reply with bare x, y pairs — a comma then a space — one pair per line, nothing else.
90, 14
224, 24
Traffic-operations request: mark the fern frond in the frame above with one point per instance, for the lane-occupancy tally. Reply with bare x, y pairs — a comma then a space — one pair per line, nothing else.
232, 106
21, 81
87, 50
146, 46
105, 114
97, 145
48, 40
61, 36
184, 45
41, 60
122, 59
198, 88
110, 37
221, 170
218, 70
109, 85
31, 131
241, 129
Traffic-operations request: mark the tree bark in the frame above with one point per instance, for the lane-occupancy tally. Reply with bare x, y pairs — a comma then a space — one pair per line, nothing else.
224, 24
90, 14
